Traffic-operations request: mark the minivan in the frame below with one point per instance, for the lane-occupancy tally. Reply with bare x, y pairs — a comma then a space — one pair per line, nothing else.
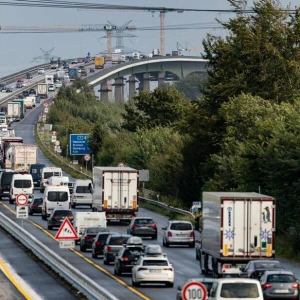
82, 193
5, 183
47, 172
36, 172
21, 184
55, 197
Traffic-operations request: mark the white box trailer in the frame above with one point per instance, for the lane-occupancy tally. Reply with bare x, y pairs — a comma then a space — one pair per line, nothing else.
29, 102
82, 220
236, 227
42, 90
13, 110
115, 191
22, 156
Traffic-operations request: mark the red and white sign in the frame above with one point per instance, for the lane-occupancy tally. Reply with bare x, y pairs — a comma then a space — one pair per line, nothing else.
194, 291
45, 104
87, 157
22, 200
54, 133
121, 164
57, 143
66, 231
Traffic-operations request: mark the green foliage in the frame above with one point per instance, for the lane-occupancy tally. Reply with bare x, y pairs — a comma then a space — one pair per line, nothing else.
191, 86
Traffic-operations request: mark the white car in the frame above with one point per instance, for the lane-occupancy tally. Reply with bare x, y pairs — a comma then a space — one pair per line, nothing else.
51, 88
41, 71
153, 267
58, 84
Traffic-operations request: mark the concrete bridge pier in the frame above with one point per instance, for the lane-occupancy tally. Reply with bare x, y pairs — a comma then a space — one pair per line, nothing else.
132, 90
104, 91
146, 82
119, 89
161, 79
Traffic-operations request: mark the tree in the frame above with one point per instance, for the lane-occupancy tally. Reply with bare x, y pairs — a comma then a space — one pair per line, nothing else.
260, 56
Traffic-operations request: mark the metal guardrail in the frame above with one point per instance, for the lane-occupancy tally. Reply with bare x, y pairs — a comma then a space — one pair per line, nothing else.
80, 281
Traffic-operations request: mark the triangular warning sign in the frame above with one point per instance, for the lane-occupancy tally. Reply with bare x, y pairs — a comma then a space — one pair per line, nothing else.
66, 231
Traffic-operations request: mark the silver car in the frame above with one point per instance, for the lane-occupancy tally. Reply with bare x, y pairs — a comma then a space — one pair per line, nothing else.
179, 233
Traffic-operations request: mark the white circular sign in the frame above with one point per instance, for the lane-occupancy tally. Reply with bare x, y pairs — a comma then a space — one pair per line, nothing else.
22, 200
121, 164
194, 291
57, 143
45, 104
87, 157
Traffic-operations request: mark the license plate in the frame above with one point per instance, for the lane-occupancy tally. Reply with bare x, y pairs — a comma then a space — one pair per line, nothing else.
180, 234
154, 271
281, 291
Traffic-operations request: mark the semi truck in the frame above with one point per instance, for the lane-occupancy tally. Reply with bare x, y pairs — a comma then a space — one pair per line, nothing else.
99, 62
42, 90
20, 156
115, 191
29, 102
13, 110
116, 58
236, 227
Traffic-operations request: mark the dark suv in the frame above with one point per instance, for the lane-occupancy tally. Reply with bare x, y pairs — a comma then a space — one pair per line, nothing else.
99, 243
36, 173
88, 236
5, 183
57, 217
113, 245
128, 255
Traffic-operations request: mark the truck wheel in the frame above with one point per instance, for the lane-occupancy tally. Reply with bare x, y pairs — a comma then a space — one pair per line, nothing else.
203, 268
82, 248
94, 255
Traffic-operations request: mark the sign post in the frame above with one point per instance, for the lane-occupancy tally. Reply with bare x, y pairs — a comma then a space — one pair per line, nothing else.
87, 158
21, 207
194, 291
79, 144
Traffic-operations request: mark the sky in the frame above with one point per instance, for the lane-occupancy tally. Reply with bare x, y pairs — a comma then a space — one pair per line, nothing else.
17, 51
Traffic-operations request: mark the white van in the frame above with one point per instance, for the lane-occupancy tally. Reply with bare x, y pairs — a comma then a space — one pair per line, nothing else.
48, 172
21, 184
55, 197
82, 194
236, 288
84, 219
58, 180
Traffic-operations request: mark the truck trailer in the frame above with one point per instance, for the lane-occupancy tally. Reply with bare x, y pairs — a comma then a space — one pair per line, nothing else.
115, 191
236, 227
42, 90
13, 110
99, 62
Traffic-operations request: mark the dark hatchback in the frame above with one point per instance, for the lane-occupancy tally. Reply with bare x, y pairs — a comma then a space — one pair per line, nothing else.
36, 172
100, 242
5, 183
88, 236
35, 206
143, 226
128, 255
57, 217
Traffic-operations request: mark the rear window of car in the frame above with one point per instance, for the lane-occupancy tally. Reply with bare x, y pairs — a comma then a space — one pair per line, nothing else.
103, 237
22, 183
57, 196
143, 221
239, 290
83, 190
281, 278
63, 213
38, 201
268, 265
181, 226
50, 174
96, 229
118, 240
155, 263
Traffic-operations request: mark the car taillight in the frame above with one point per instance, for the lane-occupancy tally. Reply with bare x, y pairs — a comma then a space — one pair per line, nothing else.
153, 226
192, 235
71, 217
34, 204
142, 269
255, 273
109, 249
226, 266
295, 285
124, 259
134, 226
89, 237
169, 233
98, 243
266, 286
168, 269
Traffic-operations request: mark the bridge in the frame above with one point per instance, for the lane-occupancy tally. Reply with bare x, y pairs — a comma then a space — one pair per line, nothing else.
145, 70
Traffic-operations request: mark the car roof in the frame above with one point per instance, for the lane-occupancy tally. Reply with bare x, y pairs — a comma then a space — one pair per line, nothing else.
179, 221
238, 280
142, 218
201, 279
265, 260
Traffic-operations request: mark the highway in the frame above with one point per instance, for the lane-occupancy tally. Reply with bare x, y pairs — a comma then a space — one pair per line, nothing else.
37, 279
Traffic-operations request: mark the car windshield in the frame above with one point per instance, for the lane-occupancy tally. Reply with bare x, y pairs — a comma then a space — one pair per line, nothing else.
83, 190
281, 278
143, 221
268, 265
118, 240
22, 183
181, 226
239, 290
155, 262
50, 174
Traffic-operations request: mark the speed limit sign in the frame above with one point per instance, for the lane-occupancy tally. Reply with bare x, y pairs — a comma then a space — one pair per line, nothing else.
194, 291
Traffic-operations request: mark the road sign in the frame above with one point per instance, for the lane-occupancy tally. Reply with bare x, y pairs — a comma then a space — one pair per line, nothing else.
53, 132
194, 291
45, 104
66, 231
67, 244
22, 212
197, 204
53, 138
121, 164
79, 144
22, 200
87, 157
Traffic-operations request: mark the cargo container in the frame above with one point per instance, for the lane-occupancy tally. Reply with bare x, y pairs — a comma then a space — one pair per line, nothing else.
13, 110
99, 62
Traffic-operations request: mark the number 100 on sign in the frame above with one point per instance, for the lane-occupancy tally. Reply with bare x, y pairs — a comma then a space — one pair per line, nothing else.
194, 291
